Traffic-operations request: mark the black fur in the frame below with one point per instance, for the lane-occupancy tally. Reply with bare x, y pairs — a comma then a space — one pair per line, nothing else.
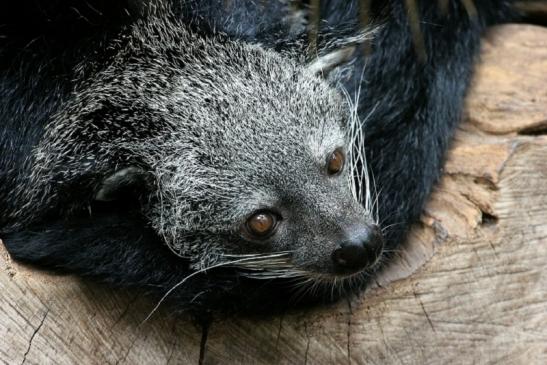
411, 96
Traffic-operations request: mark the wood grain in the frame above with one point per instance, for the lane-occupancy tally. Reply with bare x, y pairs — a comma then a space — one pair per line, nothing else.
470, 286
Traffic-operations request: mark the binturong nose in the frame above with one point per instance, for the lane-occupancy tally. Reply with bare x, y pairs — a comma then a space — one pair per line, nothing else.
360, 250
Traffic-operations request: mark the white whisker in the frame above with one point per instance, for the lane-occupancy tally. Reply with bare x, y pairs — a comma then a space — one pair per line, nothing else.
359, 179
174, 287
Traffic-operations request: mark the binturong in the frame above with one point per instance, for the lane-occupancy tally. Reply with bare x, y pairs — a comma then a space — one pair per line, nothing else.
212, 152
243, 152
193, 165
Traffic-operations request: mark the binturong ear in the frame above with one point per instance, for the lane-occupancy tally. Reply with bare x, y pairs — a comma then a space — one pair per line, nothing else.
324, 64
337, 53
121, 183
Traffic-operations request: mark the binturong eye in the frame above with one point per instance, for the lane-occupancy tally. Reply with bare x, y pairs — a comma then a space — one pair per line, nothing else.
335, 162
261, 225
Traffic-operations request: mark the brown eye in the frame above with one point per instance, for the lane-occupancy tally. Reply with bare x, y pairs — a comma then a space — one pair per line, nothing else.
335, 162
261, 224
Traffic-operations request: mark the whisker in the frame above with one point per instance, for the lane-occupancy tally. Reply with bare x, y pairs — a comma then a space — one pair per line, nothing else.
174, 287
360, 175
267, 255
384, 229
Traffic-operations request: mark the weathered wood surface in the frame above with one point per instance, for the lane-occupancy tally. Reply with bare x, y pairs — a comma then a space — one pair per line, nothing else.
477, 293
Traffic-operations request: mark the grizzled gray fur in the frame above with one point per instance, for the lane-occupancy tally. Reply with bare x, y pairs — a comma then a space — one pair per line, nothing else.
214, 151
216, 129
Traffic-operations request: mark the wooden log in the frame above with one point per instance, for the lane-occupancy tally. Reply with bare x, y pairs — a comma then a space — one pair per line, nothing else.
469, 287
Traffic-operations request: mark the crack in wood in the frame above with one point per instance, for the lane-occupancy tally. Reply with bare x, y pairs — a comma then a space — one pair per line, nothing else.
387, 346
173, 344
279, 330
488, 219
539, 129
348, 334
425, 312
307, 343
34, 335
203, 343
119, 361
125, 311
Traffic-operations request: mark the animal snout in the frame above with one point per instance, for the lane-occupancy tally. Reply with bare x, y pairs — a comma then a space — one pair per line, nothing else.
360, 250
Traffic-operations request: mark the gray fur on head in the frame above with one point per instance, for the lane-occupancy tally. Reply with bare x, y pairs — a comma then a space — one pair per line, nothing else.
216, 130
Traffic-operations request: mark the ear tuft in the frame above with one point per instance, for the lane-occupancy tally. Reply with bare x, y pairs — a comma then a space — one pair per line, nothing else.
325, 63
339, 51
118, 181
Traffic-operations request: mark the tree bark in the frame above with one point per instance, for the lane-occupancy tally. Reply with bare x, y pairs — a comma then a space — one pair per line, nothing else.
470, 286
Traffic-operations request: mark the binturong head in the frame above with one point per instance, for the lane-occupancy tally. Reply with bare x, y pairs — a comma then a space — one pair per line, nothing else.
249, 160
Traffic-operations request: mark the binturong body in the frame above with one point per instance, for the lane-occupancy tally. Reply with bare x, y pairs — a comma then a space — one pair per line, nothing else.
167, 155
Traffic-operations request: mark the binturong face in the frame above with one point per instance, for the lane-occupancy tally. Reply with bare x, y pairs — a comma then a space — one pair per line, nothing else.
253, 166
264, 184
